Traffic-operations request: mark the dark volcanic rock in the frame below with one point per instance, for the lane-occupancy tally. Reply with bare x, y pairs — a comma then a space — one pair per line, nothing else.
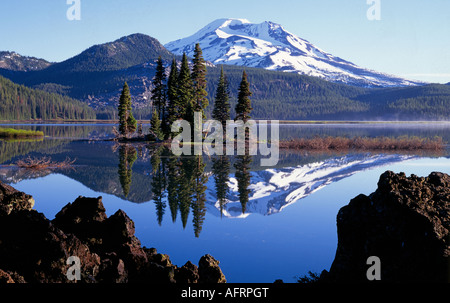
112, 269
209, 270
405, 223
10, 277
84, 218
188, 273
12, 199
35, 249
32, 246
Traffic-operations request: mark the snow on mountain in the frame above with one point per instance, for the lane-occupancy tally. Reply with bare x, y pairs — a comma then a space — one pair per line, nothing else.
268, 45
274, 189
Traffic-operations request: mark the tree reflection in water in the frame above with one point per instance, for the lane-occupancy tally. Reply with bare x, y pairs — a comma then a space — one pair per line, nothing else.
179, 182
127, 157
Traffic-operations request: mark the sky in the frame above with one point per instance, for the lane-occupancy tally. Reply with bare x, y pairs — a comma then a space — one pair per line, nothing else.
411, 38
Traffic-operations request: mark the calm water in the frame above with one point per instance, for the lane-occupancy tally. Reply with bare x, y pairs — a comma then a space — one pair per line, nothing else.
261, 223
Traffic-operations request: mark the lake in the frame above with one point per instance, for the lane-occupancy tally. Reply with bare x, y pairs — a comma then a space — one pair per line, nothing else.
261, 223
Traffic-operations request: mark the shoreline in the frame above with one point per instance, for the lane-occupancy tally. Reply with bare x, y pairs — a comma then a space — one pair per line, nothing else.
17, 134
379, 143
319, 122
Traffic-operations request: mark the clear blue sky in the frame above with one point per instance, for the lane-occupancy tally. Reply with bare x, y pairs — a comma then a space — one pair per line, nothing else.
412, 39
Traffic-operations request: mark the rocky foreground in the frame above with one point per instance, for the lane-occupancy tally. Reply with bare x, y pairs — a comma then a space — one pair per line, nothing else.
405, 223
34, 249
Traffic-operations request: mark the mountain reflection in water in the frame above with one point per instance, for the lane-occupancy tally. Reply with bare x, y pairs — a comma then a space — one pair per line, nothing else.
223, 186
245, 215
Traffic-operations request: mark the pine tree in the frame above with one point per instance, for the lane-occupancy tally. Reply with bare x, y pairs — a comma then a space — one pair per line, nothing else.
185, 90
172, 91
242, 165
127, 123
159, 90
155, 126
131, 121
186, 94
243, 106
221, 111
199, 81
124, 100
172, 98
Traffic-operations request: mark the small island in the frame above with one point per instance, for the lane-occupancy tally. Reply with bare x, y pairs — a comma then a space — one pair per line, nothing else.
11, 133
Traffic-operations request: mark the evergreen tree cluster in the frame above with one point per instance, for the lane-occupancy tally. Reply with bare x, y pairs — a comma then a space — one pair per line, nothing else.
182, 94
18, 102
185, 92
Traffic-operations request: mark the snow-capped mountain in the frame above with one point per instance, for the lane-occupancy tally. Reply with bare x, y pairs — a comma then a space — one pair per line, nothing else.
271, 190
268, 45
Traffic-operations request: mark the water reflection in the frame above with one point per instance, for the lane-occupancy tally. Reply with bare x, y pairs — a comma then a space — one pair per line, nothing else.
180, 182
184, 189
221, 172
301, 195
127, 157
242, 174
232, 186
159, 182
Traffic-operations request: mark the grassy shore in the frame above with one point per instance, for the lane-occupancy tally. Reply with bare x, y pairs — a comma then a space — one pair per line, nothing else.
11, 133
403, 143
344, 122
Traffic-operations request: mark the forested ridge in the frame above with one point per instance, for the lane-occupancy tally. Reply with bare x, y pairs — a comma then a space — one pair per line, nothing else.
18, 102
284, 96
289, 96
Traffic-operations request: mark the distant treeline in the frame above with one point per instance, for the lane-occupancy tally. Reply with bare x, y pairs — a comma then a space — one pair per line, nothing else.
289, 96
18, 102
276, 95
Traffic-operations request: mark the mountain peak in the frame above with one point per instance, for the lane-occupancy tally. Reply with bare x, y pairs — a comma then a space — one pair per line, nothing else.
268, 45
122, 53
223, 22
229, 21
16, 62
